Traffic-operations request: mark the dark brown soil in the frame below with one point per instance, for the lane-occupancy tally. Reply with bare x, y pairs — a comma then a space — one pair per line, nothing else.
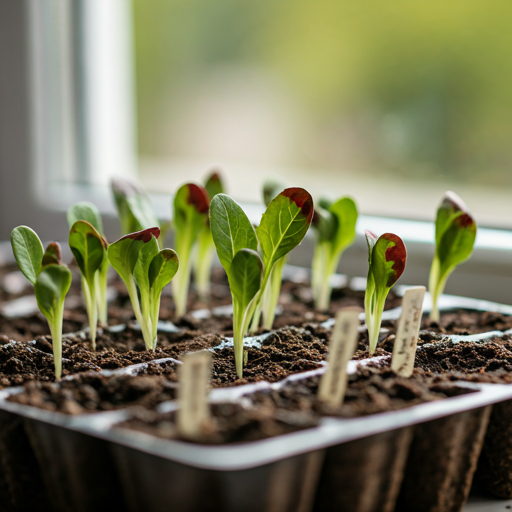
477, 358
296, 407
284, 352
92, 392
296, 302
464, 322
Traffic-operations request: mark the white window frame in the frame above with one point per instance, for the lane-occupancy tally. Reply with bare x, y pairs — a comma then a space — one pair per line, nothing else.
64, 134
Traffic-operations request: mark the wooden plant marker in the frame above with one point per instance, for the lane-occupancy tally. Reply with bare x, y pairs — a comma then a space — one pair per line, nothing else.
341, 348
406, 340
194, 384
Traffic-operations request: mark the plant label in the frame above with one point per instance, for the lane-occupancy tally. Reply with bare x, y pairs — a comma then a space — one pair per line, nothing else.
194, 381
341, 348
406, 340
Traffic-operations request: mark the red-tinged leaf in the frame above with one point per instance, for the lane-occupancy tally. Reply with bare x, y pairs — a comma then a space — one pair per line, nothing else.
388, 260
123, 253
302, 198
144, 235
198, 197
284, 224
397, 254
52, 255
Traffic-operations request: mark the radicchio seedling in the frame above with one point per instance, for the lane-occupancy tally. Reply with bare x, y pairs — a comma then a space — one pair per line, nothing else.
88, 212
141, 265
205, 246
90, 252
282, 227
386, 259
51, 280
455, 237
335, 226
270, 297
190, 216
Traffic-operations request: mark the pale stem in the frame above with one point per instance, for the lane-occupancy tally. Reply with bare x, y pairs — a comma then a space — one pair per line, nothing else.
203, 264
271, 294
181, 281
92, 310
101, 281
56, 332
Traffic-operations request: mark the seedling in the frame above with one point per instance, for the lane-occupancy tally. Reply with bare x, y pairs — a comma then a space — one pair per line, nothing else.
190, 216
282, 227
90, 253
205, 246
89, 213
335, 226
268, 304
386, 259
135, 209
142, 265
51, 280
455, 237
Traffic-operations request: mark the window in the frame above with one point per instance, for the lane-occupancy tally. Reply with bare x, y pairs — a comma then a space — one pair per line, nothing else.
393, 103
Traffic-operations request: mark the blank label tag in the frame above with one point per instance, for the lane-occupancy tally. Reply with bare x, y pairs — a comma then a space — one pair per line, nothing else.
406, 340
194, 385
341, 348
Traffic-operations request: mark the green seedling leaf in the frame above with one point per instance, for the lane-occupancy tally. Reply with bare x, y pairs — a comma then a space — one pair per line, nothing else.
89, 249
386, 256
246, 272
28, 252
51, 287
202, 261
85, 211
245, 281
267, 306
124, 253
162, 269
190, 216
134, 207
345, 212
52, 255
88, 212
455, 238
213, 185
335, 227
284, 224
50, 278
145, 270
231, 229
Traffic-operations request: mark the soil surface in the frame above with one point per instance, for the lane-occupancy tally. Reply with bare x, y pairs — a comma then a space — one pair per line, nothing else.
295, 407
93, 392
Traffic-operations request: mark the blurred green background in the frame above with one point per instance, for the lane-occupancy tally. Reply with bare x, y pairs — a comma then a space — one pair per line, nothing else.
420, 91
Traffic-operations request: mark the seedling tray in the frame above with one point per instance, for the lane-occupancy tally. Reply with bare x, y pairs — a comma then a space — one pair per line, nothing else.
89, 464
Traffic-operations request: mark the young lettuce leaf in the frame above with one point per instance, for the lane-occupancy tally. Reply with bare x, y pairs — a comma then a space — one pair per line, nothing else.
455, 237
51, 288
204, 253
88, 212
190, 216
90, 251
335, 226
282, 227
145, 270
386, 258
51, 280
135, 209
267, 306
